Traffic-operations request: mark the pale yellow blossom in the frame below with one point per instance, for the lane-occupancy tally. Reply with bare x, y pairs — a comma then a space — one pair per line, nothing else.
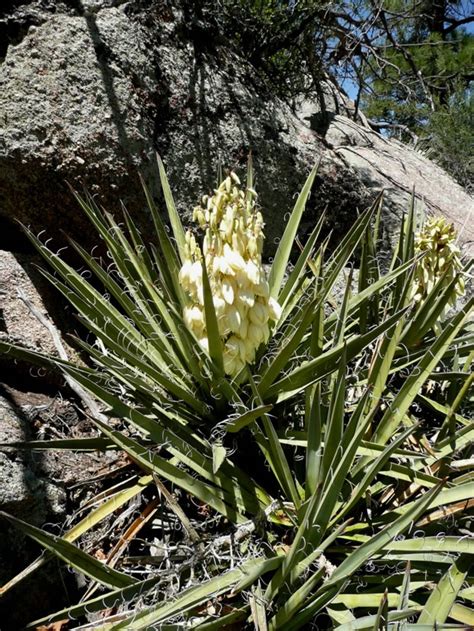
437, 240
232, 249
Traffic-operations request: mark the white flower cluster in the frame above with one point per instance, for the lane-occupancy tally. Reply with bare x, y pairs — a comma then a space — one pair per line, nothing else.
232, 248
437, 240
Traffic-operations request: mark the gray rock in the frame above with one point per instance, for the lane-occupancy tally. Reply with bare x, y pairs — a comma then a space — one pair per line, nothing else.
19, 276
73, 100
80, 102
219, 110
35, 486
25, 495
397, 169
93, 89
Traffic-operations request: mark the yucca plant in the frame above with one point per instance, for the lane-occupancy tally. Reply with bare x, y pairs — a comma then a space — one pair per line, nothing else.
314, 451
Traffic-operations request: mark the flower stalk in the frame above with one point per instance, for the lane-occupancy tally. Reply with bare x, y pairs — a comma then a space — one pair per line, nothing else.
232, 250
437, 241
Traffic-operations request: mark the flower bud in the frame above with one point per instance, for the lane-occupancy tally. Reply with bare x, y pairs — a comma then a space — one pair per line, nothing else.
258, 314
235, 178
274, 309
228, 291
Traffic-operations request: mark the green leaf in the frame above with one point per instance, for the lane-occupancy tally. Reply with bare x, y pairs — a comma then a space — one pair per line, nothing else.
219, 453
314, 434
339, 615
188, 449
295, 601
334, 426
405, 588
283, 252
99, 311
383, 538
290, 344
447, 496
313, 370
360, 555
459, 545
369, 274
273, 451
153, 463
399, 406
367, 600
258, 608
190, 598
299, 268
430, 311
74, 444
463, 614
381, 619
167, 258
382, 360
213, 336
81, 561
92, 519
315, 514
366, 623
438, 605
372, 470
175, 220
104, 601
234, 425
223, 621
252, 574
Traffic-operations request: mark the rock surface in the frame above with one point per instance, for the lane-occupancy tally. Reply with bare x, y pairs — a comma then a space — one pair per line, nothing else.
89, 90
23, 288
37, 487
391, 166
26, 495
73, 97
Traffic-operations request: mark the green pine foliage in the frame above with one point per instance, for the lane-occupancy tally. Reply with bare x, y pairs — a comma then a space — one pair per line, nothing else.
451, 138
420, 83
411, 63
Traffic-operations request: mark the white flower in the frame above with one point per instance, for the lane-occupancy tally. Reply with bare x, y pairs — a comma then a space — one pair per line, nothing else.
259, 314
255, 334
234, 319
234, 259
274, 309
232, 366
232, 249
194, 318
253, 272
243, 328
262, 289
228, 290
247, 297
220, 305
437, 241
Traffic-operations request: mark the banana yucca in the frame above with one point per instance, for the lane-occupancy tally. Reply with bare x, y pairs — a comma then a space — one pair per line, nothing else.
291, 435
